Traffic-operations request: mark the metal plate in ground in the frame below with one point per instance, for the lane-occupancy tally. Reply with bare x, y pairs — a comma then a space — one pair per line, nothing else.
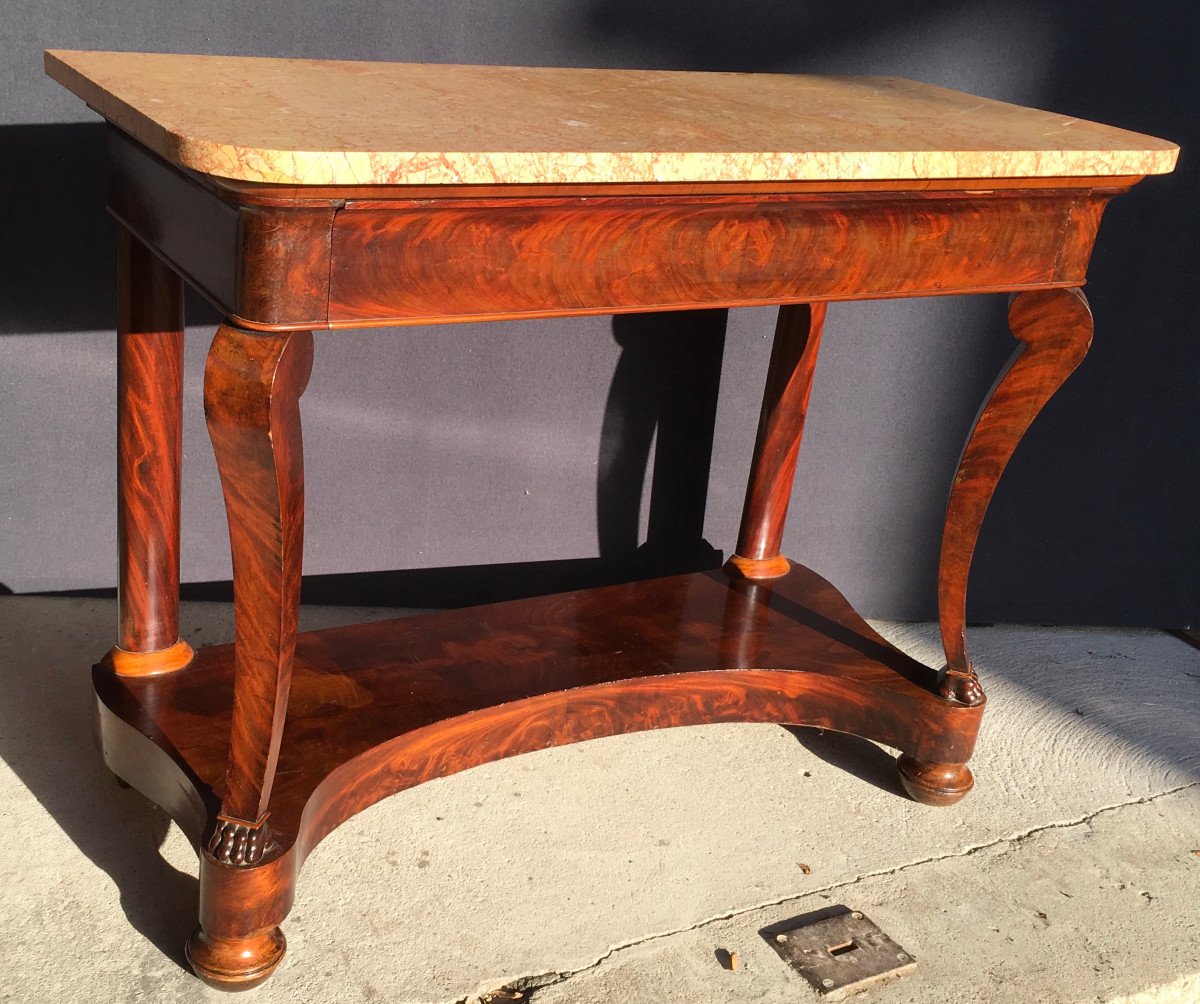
840, 954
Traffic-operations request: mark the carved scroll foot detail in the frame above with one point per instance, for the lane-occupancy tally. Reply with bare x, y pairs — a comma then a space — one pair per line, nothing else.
934, 783
239, 844
963, 687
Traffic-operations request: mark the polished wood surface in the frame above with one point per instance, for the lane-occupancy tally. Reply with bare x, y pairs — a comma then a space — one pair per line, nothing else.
935, 783
260, 748
235, 963
437, 693
149, 453
777, 445
556, 256
1054, 331
163, 660
266, 755
348, 263
252, 388
377, 708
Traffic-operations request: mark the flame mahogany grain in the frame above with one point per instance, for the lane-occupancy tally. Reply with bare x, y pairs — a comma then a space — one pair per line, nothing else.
777, 446
1054, 331
149, 450
252, 388
259, 749
317, 260
607, 254
377, 708
269, 264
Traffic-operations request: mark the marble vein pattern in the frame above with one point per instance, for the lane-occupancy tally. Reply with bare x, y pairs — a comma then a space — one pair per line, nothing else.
325, 122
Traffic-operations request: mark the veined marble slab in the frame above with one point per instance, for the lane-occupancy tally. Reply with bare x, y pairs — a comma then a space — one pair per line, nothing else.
318, 122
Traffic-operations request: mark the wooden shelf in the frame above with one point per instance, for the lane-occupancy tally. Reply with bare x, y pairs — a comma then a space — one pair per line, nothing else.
377, 708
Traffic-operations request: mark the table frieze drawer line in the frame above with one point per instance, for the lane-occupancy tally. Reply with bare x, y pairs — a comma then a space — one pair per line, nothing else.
327, 263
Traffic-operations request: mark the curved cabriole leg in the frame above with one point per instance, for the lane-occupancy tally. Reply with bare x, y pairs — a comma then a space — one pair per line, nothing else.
780, 429
252, 389
1054, 328
149, 451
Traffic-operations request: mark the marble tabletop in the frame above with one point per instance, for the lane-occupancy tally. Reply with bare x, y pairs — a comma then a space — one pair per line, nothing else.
324, 122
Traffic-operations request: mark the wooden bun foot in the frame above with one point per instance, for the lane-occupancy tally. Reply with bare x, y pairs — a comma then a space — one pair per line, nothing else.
235, 963
934, 783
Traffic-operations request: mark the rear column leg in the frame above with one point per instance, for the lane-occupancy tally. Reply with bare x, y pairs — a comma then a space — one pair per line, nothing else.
149, 452
780, 429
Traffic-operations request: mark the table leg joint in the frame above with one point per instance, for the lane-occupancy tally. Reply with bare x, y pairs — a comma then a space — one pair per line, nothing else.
962, 686
238, 843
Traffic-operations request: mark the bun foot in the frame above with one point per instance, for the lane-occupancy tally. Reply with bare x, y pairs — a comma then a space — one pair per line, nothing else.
934, 783
235, 963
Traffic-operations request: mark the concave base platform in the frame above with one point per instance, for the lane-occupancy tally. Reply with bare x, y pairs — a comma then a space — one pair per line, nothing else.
380, 707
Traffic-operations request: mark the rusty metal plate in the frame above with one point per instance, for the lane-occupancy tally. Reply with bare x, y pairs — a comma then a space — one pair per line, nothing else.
840, 954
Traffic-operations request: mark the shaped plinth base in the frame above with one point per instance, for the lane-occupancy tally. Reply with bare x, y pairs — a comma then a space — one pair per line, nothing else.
377, 708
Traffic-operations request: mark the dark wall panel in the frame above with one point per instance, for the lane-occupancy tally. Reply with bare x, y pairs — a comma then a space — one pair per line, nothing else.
575, 450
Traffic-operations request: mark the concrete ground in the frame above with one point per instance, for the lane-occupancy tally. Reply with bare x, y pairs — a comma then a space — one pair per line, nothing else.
616, 869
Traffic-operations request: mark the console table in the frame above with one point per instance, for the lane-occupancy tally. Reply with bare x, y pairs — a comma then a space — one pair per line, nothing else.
300, 195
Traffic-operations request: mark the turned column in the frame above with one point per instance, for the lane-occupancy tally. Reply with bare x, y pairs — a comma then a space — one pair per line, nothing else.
780, 429
149, 453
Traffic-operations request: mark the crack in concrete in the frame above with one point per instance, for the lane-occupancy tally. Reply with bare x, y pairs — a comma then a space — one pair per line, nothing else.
539, 981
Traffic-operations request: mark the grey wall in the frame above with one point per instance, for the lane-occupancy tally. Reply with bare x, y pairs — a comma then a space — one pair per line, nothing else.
534, 443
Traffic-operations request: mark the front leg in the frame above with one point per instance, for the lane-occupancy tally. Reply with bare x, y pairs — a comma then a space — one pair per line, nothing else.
1054, 329
252, 388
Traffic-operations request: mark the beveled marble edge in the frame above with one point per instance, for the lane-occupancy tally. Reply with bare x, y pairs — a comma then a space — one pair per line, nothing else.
343, 167
328, 167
